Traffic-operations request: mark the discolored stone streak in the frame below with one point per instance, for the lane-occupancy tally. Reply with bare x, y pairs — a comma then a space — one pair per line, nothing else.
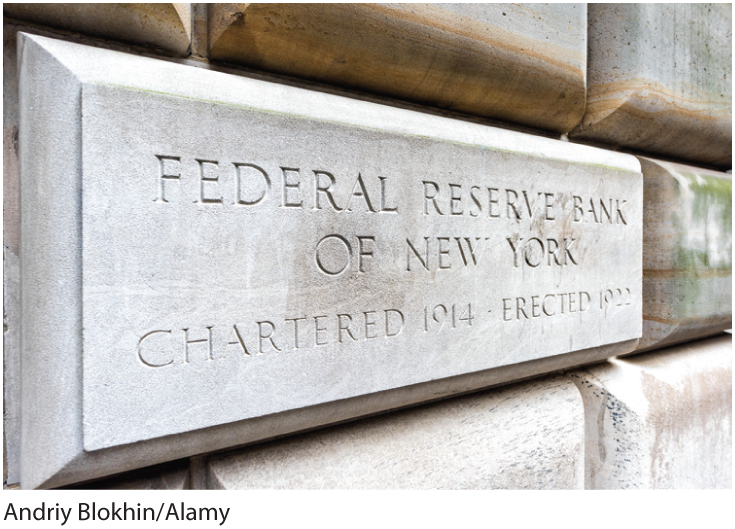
658, 83
458, 59
660, 420
165, 26
687, 253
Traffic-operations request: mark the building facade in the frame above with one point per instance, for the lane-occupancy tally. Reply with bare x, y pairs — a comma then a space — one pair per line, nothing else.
372, 246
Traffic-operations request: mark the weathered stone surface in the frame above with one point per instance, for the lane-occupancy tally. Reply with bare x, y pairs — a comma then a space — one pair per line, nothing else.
11, 270
172, 476
525, 436
687, 253
661, 419
660, 80
280, 251
523, 64
166, 26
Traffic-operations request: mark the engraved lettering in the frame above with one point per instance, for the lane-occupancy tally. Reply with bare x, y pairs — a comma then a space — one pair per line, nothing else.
268, 336
238, 340
295, 331
593, 211
424, 261
471, 250
333, 254
258, 194
207, 340
431, 197
363, 251
543, 305
443, 313
443, 252
361, 192
562, 301
527, 253
515, 250
578, 211
318, 329
549, 211
506, 309
619, 205
533, 252
286, 203
492, 201
383, 203
347, 328
397, 312
599, 210
567, 250
327, 191
140, 350
529, 207
551, 247
535, 307
583, 308
455, 199
519, 308
511, 204
476, 200
604, 210
548, 305
211, 180
369, 324
164, 174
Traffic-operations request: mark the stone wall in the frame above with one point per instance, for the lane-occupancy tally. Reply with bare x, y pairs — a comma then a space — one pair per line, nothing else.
367, 246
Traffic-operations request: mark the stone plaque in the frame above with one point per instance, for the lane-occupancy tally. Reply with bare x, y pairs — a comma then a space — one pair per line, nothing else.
237, 249
244, 262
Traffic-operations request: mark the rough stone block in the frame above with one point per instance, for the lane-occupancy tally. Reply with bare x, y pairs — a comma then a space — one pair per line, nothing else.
165, 26
662, 419
522, 64
224, 260
687, 253
170, 476
660, 80
525, 436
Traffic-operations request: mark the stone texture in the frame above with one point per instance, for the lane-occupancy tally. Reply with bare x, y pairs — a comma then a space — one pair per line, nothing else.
687, 253
165, 26
525, 436
11, 263
660, 80
518, 63
660, 420
184, 265
171, 476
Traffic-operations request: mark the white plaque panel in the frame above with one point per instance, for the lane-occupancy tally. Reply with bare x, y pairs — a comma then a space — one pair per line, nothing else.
240, 263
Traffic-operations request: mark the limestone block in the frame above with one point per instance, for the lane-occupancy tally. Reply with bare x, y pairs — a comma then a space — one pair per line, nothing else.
282, 259
165, 26
11, 264
660, 80
662, 419
525, 436
518, 63
687, 253
173, 476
